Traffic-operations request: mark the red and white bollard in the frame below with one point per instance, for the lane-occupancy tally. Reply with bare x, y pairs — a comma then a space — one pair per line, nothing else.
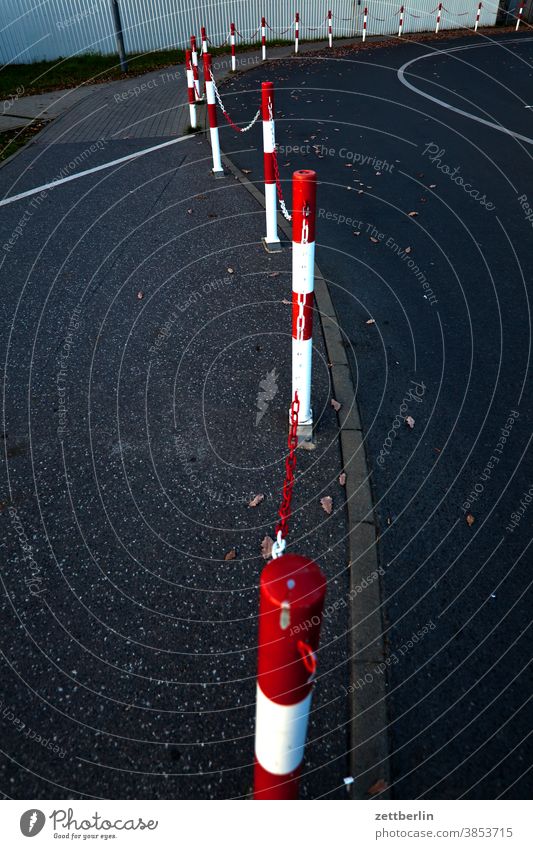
196, 76
218, 171
271, 240
400, 27
296, 31
190, 89
204, 40
439, 11
330, 29
478, 13
292, 590
521, 9
365, 19
303, 284
263, 39
232, 43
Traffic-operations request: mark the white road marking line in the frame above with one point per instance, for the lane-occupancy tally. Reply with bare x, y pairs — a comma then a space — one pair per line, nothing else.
54, 183
433, 54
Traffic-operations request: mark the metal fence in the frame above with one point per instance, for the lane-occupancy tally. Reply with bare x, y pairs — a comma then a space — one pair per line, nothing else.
31, 30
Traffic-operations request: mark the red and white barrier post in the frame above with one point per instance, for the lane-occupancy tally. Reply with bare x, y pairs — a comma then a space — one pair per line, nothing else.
190, 89
303, 284
478, 13
263, 39
217, 169
232, 43
292, 590
204, 40
400, 27
439, 11
330, 29
296, 31
365, 19
195, 74
271, 240
520, 11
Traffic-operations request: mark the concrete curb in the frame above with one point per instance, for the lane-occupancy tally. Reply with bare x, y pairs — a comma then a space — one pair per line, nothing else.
369, 749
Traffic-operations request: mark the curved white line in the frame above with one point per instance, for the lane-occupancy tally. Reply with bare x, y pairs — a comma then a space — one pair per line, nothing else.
501, 129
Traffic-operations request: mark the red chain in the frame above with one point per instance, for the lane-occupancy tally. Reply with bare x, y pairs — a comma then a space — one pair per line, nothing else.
230, 122
290, 468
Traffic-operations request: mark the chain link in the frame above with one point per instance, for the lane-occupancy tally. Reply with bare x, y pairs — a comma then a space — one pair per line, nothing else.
226, 114
282, 528
283, 207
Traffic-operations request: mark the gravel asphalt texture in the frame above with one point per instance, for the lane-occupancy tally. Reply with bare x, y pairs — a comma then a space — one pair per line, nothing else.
430, 278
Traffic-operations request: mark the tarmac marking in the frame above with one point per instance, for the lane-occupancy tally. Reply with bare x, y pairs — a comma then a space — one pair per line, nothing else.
70, 177
499, 127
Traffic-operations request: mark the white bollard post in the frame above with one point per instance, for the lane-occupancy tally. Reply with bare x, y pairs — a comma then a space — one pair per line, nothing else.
303, 284
330, 30
439, 10
365, 19
271, 241
400, 27
521, 9
190, 89
204, 40
263, 39
478, 13
217, 169
296, 31
232, 42
196, 75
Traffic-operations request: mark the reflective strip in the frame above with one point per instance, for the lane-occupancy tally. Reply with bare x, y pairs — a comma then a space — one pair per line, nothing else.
280, 732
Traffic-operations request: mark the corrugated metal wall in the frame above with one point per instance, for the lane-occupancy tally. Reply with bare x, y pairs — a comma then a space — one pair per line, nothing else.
47, 29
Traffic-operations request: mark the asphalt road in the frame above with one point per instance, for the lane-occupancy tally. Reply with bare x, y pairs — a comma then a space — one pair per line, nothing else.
139, 316
424, 237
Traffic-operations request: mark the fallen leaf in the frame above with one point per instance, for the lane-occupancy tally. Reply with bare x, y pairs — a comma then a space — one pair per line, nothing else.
410, 422
189, 212
327, 504
231, 555
274, 274
140, 295
246, 170
470, 520
285, 301
342, 478
372, 239
412, 214
335, 404
231, 271
433, 186
357, 232
266, 548
407, 250
370, 321
379, 786
257, 499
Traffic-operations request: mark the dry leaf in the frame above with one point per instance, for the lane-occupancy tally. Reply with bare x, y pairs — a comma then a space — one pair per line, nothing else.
285, 301
266, 548
335, 404
140, 295
246, 170
370, 321
410, 422
407, 250
274, 274
470, 520
231, 271
412, 214
231, 555
342, 478
379, 786
357, 232
257, 499
433, 186
372, 239
189, 212
327, 504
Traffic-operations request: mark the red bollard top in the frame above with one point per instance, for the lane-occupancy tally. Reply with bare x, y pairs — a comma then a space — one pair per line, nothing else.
193, 42
329, 13
207, 66
263, 22
297, 17
267, 94
203, 33
303, 203
188, 59
232, 29
292, 591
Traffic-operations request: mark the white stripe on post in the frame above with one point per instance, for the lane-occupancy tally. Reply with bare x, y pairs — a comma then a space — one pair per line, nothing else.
196, 76
271, 240
204, 40
519, 15
218, 171
303, 283
190, 90
279, 745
